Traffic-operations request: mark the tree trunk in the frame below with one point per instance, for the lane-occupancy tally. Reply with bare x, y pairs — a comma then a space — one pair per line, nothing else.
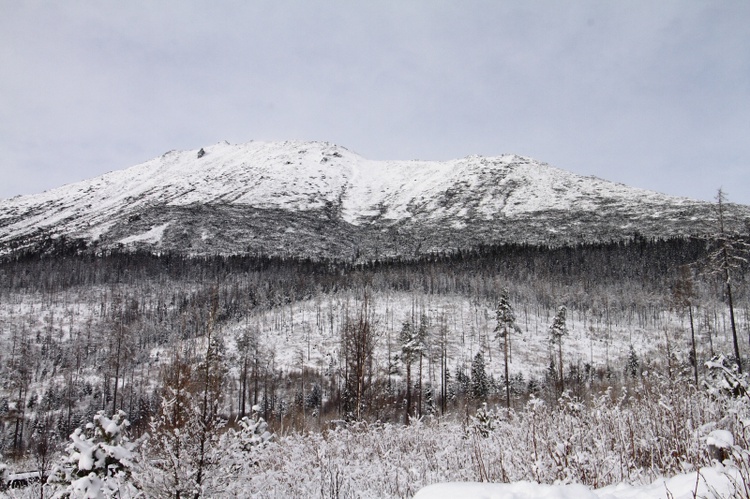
243, 387
117, 372
692, 341
444, 380
562, 371
419, 393
731, 318
408, 391
507, 379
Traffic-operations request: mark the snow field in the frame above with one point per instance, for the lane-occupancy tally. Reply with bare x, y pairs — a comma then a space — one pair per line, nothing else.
714, 482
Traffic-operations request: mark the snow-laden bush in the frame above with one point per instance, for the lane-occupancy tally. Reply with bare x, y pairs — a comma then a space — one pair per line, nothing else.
483, 422
240, 446
228, 458
97, 462
658, 429
737, 462
252, 433
724, 378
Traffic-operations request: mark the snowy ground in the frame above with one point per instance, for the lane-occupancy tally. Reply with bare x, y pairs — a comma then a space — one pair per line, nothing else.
307, 333
715, 482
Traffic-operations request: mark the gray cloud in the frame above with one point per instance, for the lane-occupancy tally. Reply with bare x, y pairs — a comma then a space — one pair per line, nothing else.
652, 94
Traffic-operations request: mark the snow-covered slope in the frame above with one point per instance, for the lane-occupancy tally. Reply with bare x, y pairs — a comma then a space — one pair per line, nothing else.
319, 199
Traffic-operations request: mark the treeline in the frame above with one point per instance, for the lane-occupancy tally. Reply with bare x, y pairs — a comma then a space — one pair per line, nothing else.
627, 279
648, 261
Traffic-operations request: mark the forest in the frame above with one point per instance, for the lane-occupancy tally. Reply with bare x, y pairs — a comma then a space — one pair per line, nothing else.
207, 358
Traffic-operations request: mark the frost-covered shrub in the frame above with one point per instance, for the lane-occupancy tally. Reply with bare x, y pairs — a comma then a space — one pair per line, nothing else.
657, 430
241, 443
737, 456
253, 432
97, 461
483, 422
724, 378
719, 444
728, 440
181, 451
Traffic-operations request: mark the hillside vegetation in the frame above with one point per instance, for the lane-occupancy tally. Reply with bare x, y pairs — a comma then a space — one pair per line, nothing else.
314, 345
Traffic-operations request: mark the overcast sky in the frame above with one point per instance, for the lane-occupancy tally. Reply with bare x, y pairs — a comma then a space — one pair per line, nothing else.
654, 94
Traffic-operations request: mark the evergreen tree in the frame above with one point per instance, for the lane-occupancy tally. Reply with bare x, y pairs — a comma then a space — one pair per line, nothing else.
211, 375
247, 347
450, 388
557, 330
506, 323
314, 399
429, 396
633, 363
421, 341
463, 381
185, 435
551, 378
483, 422
98, 460
358, 346
480, 383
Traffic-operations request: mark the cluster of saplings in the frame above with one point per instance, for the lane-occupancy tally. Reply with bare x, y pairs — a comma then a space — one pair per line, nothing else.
152, 343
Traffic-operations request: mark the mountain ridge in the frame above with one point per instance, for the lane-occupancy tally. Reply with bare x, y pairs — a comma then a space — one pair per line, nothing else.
319, 199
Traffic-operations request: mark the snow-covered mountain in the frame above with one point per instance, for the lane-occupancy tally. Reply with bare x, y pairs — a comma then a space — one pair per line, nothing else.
319, 199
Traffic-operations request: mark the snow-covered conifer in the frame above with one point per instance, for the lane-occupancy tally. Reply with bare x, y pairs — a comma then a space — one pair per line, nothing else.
239, 450
557, 330
411, 349
184, 439
252, 432
480, 384
98, 461
633, 363
483, 422
506, 323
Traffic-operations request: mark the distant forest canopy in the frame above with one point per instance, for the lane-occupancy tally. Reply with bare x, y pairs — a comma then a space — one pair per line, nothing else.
639, 273
62, 263
621, 280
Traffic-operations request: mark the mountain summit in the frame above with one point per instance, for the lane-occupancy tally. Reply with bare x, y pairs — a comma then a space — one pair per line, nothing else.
321, 200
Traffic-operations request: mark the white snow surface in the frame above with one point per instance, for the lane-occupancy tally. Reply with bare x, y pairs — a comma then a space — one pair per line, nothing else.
708, 483
296, 175
721, 439
154, 235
